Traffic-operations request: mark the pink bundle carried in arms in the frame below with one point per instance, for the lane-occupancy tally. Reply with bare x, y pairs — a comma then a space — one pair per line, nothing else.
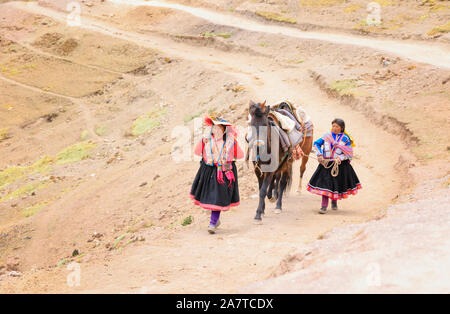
347, 150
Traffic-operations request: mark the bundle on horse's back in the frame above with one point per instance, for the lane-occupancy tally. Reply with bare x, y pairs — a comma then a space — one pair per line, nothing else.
301, 144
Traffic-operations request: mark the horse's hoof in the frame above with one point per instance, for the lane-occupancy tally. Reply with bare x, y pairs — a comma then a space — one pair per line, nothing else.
277, 211
272, 199
257, 221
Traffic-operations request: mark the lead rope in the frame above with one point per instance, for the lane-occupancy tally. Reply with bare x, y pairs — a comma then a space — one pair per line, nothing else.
334, 164
335, 169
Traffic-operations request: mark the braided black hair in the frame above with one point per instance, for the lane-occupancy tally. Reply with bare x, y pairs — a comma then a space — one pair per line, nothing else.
341, 123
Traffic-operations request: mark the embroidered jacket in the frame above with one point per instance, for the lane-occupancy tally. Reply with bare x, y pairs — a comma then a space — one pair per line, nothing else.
230, 151
223, 159
334, 146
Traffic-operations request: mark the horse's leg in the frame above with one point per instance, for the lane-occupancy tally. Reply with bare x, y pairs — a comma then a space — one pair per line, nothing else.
270, 190
262, 196
306, 147
277, 186
283, 184
260, 181
302, 172
269, 194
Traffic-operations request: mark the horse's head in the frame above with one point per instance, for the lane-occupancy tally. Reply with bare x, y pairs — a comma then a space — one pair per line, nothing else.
258, 117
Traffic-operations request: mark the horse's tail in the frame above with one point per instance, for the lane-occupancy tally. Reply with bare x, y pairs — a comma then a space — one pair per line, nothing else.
286, 172
247, 156
289, 178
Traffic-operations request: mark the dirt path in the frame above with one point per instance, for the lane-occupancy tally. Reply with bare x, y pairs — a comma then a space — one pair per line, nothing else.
193, 261
434, 54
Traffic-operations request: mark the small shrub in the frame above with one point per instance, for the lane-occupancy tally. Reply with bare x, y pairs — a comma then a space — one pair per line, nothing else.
187, 221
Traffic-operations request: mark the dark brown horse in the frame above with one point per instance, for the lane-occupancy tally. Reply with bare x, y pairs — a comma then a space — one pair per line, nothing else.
273, 165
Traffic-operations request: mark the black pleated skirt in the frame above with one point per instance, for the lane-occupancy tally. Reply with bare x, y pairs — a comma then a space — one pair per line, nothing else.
207, 193
344, 184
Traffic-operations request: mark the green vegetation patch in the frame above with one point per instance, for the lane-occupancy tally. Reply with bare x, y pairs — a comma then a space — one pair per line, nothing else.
147, 122
10, 175
71, 154
13, 174
43, 165
191, 117
62, 262
26, 190
212, 34
33, 210
84, 135
74, 153
101, 130
344, 87
144, 124
272, 16
296, 61
119, 239
187, 221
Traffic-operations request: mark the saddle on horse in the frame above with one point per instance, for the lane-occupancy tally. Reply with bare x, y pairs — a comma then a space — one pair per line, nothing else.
293, 131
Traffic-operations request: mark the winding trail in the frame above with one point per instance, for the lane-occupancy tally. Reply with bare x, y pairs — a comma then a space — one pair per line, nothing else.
433, 54
193, 261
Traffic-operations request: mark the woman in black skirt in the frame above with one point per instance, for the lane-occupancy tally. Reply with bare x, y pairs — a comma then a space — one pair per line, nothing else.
215, 186
334, 177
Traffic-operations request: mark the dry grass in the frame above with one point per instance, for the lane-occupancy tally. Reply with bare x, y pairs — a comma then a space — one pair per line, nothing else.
384, 3
4, 134
223, 35
442, 29
320, 3
352, 8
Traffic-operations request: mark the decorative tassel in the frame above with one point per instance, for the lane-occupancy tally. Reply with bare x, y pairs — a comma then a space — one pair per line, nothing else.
208, 121
230, 177
220, 176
